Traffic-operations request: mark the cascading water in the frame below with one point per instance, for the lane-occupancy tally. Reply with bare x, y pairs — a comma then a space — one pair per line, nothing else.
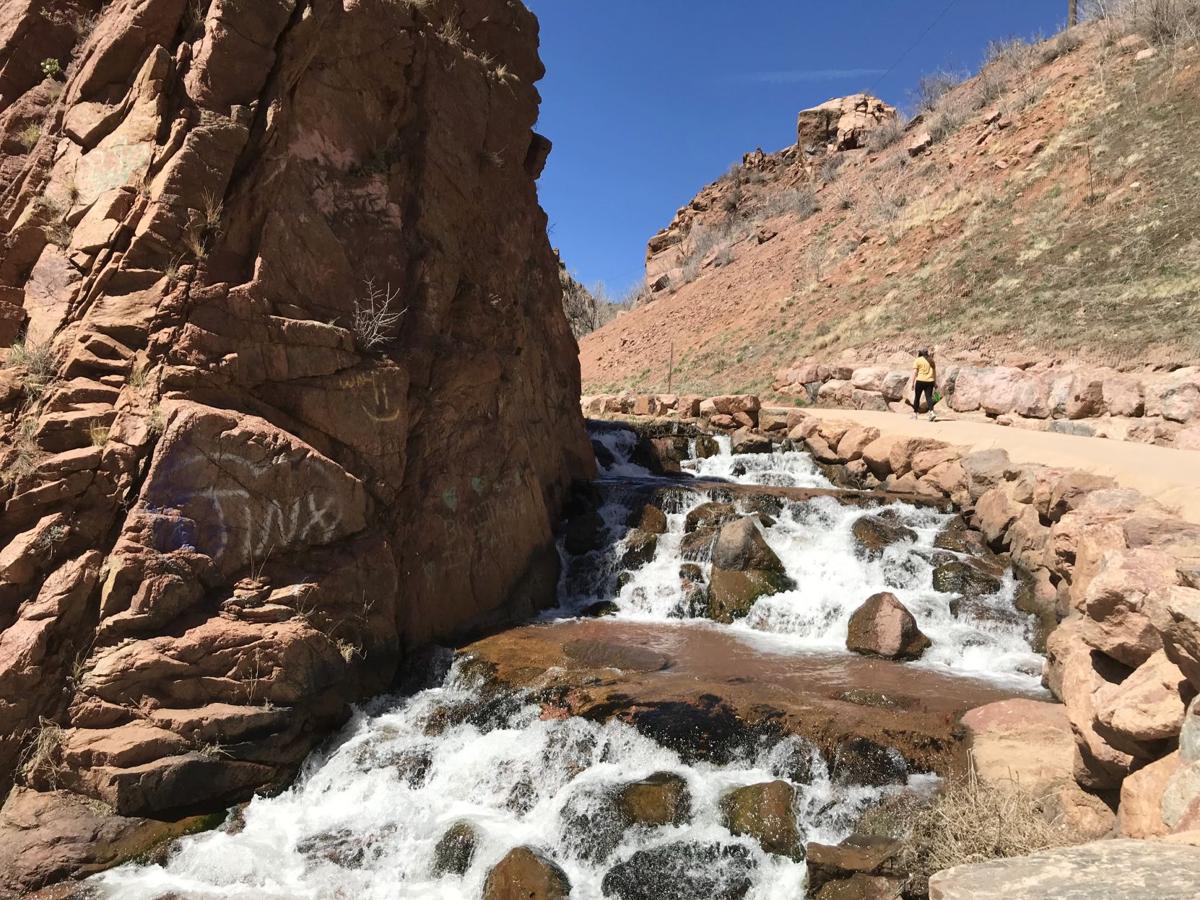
813, 538
364, 819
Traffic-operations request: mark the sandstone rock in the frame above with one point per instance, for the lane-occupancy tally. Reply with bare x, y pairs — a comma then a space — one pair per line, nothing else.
919, 143
765, 812
1147, 706
1120, 870
842, 123
1098, 764
526, 874
858, 855
649, 519
455, 849
874, 534
1181, 794
1125, 604
682, 870
746, 441
662, 799
958, 577
884, 627
710, 515
854, 441
1181, 636
1025, 742
986, 469
744, 568
1140, 812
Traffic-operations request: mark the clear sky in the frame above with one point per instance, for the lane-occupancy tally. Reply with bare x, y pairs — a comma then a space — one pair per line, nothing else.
647, 101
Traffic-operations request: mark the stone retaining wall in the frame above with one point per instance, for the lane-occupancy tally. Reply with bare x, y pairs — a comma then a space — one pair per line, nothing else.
1118, 571
1146, 407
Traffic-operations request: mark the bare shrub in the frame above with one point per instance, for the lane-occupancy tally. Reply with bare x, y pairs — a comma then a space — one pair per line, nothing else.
1067, 42
844, 197
1004, 63
951, 114
885, 134
376, 317
933, 87
99, 433
41, 762
29, 136
800, 202
1162, 22
827, 172
968, 822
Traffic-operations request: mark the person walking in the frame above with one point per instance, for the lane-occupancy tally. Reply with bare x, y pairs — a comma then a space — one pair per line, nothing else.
924, 383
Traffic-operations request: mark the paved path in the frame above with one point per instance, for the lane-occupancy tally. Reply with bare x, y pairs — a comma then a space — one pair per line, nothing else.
1172, 477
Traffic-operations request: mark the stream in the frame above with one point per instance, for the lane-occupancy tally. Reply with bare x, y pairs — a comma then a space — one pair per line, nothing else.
365, 816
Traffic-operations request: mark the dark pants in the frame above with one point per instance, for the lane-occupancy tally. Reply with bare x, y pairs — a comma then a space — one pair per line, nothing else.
925, 388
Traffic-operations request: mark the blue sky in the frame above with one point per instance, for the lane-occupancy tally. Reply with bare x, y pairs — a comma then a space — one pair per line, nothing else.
649, 100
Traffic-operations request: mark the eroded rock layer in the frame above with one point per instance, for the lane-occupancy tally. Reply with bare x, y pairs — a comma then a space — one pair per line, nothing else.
292, 390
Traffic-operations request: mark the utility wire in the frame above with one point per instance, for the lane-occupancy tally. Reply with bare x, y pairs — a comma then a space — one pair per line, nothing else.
913, 46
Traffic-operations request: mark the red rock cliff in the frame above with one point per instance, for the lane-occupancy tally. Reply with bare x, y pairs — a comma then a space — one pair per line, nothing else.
228, 508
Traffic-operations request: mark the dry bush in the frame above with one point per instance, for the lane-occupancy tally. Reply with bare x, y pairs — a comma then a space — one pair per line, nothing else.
1005, 62
800, 202
885, 134
29, 136
1065, 43
827, 172
933, 87
376, 317
99, 433
968, 822
1162, 22
951, 114
41, 762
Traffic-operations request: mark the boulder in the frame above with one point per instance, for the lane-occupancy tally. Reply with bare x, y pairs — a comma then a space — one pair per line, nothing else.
649, 519
1146, 706
746, 441
660, 800
873, 534
986, 469
1118, 869
640, 548
854, 441
999, 388
884, 627
710, 515
1175, 397
1181, 796
766, 813
1098, 764
526, 874
877, 455
455, 849
684, 870
744, 568
1140, 812
1125, 604
1181, 636
707, 447
842, 123
1026, 742
965, 579
857, 856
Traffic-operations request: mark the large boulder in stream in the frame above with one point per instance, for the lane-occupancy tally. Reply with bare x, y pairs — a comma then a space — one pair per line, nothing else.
455, 850
965, 579
744, 568
709, 515
884, 627
661, 799
594, 822
765, 812
684, 870
526, 874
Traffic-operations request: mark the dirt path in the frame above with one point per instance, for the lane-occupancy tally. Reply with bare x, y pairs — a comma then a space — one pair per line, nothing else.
1172, 477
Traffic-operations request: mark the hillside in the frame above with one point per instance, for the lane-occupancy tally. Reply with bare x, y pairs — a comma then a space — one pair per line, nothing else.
1046, 208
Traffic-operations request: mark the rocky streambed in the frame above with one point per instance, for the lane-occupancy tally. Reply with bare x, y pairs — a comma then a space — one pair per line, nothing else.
684, 725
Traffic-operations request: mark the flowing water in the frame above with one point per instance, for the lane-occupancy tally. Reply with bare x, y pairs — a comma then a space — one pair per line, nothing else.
364, 818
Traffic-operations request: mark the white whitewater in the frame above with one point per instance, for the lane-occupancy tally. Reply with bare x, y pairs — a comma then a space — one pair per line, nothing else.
813, 539
364, 818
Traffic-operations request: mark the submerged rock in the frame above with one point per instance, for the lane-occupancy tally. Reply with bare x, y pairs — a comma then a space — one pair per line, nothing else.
765, 812
744, 568
833, 871
710, 515
455, 850
526, 874
962, 578
600, 610
683, 871
862, 761
640, 548
884, 627
874, 534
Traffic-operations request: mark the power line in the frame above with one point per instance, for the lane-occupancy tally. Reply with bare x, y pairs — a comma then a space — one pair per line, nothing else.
924, 34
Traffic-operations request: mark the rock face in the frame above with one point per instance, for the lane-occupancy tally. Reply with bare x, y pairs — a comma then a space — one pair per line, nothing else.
1119, 870
842, 123
884, 627
266, 312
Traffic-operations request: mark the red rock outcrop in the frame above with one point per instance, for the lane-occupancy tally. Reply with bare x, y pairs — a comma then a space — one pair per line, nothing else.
295, 392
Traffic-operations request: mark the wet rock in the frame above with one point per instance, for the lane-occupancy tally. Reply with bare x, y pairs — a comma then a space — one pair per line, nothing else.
611, 655
455, 849
694, 599
863, 887
649, 519
413, 766
699, 545
746, 441
707, 447
682, 871
857, 856
526, 874
862, 761
600, 610
959, 537
707, 730
765, 812
874, 534
884, 627
585, 532
978, 610
964, 579
709, 515
661, 799
640, 548
744, 568
342, 847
